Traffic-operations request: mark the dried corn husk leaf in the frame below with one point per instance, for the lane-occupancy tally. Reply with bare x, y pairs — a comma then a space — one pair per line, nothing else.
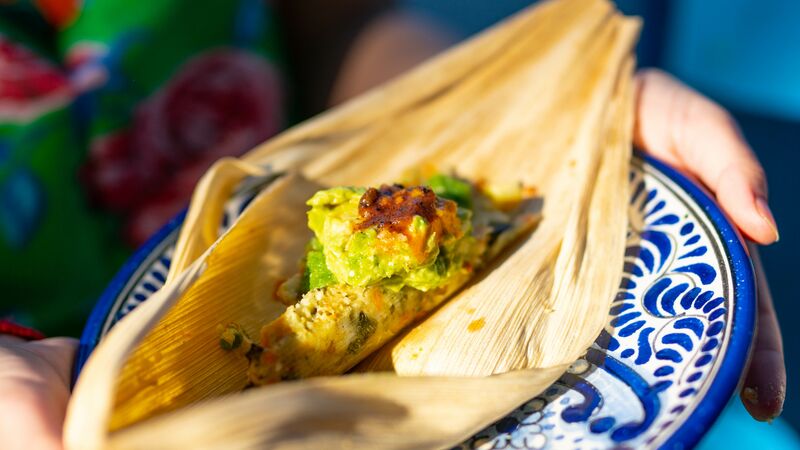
201, 225
546, 99
236, 271
370, 411
553, 291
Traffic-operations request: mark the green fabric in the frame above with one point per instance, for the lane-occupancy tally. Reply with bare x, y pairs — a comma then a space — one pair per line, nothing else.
109, 112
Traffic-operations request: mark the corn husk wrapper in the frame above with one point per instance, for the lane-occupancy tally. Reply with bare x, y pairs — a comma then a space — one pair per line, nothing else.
544, 98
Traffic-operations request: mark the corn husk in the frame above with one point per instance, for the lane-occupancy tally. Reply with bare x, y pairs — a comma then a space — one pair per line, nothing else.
544, 98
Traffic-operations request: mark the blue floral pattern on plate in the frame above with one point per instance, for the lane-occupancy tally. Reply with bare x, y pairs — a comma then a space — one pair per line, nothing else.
669, 359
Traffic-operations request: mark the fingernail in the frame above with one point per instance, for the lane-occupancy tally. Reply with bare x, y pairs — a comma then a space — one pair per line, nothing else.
766, 215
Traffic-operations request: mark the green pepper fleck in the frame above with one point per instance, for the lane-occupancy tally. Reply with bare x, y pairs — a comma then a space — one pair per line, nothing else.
365, 327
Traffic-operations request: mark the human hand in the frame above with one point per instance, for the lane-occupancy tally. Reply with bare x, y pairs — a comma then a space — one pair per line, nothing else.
699, 138
34, 389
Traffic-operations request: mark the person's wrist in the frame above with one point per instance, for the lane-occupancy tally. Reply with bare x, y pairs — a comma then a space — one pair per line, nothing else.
9, 328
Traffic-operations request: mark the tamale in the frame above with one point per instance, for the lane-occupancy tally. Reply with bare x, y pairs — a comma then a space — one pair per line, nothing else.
544, 98
380, 259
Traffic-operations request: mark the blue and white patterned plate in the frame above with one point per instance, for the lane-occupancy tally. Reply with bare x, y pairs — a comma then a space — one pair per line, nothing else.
677, 341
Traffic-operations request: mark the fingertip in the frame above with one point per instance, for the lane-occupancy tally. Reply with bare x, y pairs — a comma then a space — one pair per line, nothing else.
766, 216
757, 227
763, 410
747, 207
760, 234
764, 389
749, 397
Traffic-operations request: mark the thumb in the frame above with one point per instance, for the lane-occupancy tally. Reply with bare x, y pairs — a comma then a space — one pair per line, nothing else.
34, 390
689, 131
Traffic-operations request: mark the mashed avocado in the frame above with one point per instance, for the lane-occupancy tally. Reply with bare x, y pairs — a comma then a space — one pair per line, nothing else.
393, 236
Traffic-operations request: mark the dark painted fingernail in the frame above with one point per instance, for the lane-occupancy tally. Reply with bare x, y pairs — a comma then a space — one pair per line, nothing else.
766, 215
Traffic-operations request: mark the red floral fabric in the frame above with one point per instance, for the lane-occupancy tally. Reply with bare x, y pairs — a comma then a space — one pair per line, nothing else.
10, 328
221, 103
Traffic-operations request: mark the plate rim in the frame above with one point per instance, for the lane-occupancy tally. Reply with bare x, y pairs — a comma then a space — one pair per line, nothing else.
730, 371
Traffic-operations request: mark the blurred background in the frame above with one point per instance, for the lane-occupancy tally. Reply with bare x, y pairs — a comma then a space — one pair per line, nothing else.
745, 54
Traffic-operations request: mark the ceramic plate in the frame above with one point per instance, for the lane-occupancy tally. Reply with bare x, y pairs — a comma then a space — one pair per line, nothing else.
669, 360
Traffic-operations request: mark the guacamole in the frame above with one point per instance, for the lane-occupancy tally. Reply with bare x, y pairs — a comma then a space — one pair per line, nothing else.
380, 259
394, 236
